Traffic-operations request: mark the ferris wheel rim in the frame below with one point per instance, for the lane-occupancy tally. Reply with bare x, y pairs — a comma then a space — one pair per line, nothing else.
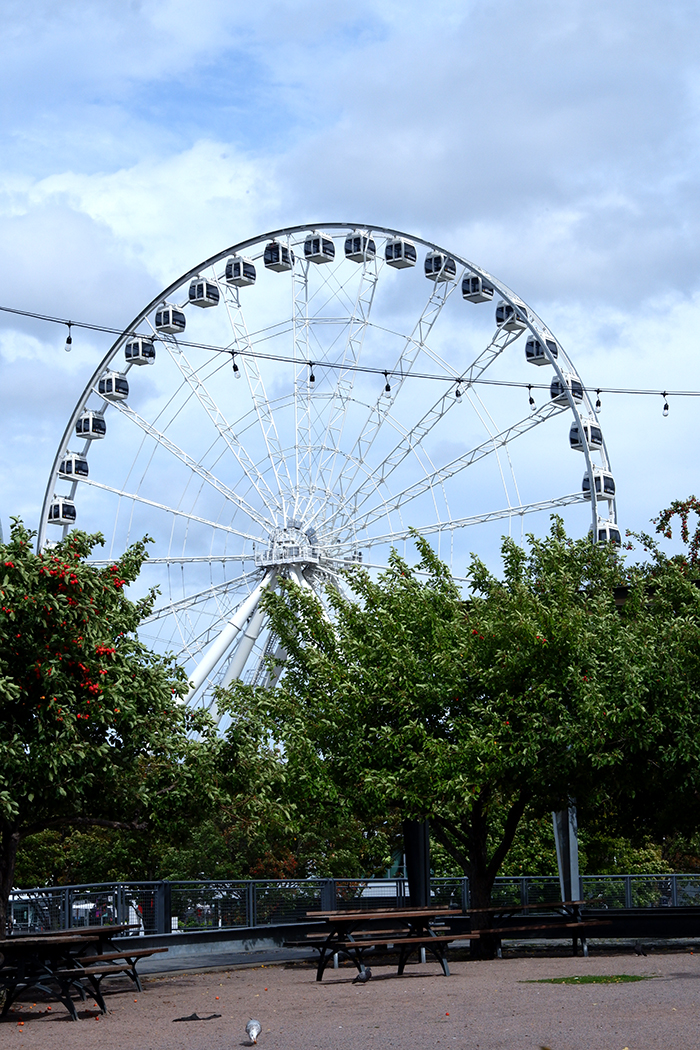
563, 367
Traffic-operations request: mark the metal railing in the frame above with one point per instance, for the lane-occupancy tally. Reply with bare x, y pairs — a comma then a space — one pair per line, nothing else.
169, 907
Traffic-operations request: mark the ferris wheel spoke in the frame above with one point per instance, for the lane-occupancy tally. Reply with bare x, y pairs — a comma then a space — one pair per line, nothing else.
357, 329
191, 463
177, 511
302, 385
515, 510
455, 466
175, 559
435, 414
261, 403
225, 431
198, 597
412, 346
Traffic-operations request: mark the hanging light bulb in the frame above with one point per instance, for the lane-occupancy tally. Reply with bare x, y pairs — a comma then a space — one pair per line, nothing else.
387, 388
312, 377
236, 369
598, 406
458, 394
532, 400
665, 395
69, 341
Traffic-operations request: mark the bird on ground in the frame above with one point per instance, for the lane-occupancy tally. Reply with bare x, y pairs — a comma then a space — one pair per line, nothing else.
363, 976
639, 950
253, 1029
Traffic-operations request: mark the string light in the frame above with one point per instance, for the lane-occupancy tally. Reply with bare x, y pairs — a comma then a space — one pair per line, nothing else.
312, 377
664, 396
69, 340
335, 365
236, 369
532, 400
458, 393
387, 388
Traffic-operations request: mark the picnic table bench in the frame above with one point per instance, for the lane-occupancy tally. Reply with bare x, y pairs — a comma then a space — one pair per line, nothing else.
407, 930
65, 961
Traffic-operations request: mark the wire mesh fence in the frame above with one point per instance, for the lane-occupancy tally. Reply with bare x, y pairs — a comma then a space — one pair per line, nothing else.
169, 907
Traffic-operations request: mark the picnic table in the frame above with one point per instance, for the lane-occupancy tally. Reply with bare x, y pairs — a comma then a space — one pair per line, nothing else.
60, 962
357, 934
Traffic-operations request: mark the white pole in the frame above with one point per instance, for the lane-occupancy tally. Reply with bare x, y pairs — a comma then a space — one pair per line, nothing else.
222, 644
245, 646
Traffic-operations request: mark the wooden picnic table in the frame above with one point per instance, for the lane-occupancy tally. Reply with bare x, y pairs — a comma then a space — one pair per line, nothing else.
355, 934
66, 960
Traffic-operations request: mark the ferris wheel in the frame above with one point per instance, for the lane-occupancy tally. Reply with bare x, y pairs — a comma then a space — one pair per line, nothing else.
296, 405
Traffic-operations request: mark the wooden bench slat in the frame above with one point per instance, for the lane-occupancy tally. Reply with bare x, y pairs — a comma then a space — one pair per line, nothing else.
85, 971
141, 953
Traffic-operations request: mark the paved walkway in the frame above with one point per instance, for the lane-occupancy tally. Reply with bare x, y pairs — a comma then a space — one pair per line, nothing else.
495, 1005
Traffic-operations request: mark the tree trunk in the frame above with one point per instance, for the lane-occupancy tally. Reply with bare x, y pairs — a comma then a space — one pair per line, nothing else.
9, 844
468, 844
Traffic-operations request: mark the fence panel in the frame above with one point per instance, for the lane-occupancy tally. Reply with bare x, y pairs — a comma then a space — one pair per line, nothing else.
358, 894
283, 902
164, 907
209, 905
604, 891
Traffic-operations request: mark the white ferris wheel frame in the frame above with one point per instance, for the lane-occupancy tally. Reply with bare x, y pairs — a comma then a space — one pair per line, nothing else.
352, 511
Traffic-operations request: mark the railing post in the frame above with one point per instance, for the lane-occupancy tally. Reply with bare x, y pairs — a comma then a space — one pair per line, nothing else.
465, 893
250, 904
628, 891
674, 891
328, 895
524, 887
67, 910
162, 907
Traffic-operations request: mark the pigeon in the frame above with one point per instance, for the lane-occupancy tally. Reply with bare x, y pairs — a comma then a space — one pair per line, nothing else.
363, 976
253, 1028
639, 950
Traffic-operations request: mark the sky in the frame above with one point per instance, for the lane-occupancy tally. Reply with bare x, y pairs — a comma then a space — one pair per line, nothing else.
553, 143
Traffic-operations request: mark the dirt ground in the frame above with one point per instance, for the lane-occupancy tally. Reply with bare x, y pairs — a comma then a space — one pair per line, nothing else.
487, 1005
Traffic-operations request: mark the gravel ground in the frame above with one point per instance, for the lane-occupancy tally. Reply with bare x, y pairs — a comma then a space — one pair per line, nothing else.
488, 1005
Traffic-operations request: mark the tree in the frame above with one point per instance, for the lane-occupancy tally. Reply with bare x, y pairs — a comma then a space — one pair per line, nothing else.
92, 729
476, 714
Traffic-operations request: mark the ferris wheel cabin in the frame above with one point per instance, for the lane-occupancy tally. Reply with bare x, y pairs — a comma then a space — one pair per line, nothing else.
203, 293
170, 320
240, 271
140, 351
474, 290
535, 353
91, 425
278, 257
604, 484
608, 532
440, 267
400, 253
558, 392
319, 248
359, 247
592, 436
62, 511
510, 318
114, 386
73, 465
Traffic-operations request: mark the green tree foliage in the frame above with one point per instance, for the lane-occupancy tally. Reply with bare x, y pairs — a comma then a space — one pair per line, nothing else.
92, 730
479, 714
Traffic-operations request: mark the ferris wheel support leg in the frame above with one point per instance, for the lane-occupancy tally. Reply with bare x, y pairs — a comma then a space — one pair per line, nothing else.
223, 643
273, 677
245, 647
